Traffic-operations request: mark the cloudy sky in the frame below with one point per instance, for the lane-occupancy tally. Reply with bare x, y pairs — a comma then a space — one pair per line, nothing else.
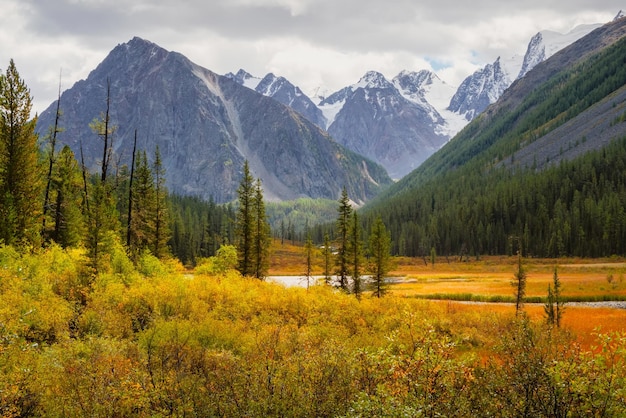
313, 43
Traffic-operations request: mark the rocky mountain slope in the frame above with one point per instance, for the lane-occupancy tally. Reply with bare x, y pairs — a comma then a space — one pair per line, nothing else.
282, 90
206, 125
375, 119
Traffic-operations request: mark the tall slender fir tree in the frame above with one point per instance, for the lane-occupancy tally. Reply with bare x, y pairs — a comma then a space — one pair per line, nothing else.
262, 233
342, 261
20, 173
244, 228
380, 257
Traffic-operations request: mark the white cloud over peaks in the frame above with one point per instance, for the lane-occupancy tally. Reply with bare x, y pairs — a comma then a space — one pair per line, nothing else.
311, 42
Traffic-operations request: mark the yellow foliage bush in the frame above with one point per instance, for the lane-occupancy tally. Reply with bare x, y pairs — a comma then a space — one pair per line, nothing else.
155, 340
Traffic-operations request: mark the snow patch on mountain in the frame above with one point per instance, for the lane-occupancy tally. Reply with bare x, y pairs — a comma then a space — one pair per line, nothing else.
330, 111
547, 43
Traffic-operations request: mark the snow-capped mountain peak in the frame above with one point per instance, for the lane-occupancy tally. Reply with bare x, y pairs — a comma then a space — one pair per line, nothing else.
270, 85
373, 80
283, 91
414, 82
480, 89
547, 43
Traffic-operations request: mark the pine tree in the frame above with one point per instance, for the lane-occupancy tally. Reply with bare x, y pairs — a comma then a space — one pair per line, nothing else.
261, 234
379, 250
342, 261
20, 173
245, 223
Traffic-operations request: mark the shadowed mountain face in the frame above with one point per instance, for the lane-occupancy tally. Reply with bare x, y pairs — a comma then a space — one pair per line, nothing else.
206, 126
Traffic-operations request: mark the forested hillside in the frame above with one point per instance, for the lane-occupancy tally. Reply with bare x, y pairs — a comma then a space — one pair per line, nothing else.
474, 197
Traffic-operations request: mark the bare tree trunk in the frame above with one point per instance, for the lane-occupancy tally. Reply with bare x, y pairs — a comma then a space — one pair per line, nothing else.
84, 171
106, 154
53, 141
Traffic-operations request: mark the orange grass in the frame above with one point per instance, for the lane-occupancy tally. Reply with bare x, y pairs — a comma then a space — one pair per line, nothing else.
492, 276
584, 322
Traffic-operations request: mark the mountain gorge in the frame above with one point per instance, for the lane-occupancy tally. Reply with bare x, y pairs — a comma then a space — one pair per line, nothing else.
206, 126
540, 171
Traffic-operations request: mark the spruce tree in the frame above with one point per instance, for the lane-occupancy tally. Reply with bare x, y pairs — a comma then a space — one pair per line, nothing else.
244, 228
20, 173
554, 305
66, 196
379, 250
261, 233
142, 228
342, 261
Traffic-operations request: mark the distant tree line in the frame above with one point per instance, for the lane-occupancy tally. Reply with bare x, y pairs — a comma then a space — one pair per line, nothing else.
199, 227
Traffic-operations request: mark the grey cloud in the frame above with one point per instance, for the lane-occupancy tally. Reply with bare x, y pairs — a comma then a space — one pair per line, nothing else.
444, 31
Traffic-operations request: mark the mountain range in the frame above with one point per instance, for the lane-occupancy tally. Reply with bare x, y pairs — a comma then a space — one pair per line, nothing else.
206, 126
399, 123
